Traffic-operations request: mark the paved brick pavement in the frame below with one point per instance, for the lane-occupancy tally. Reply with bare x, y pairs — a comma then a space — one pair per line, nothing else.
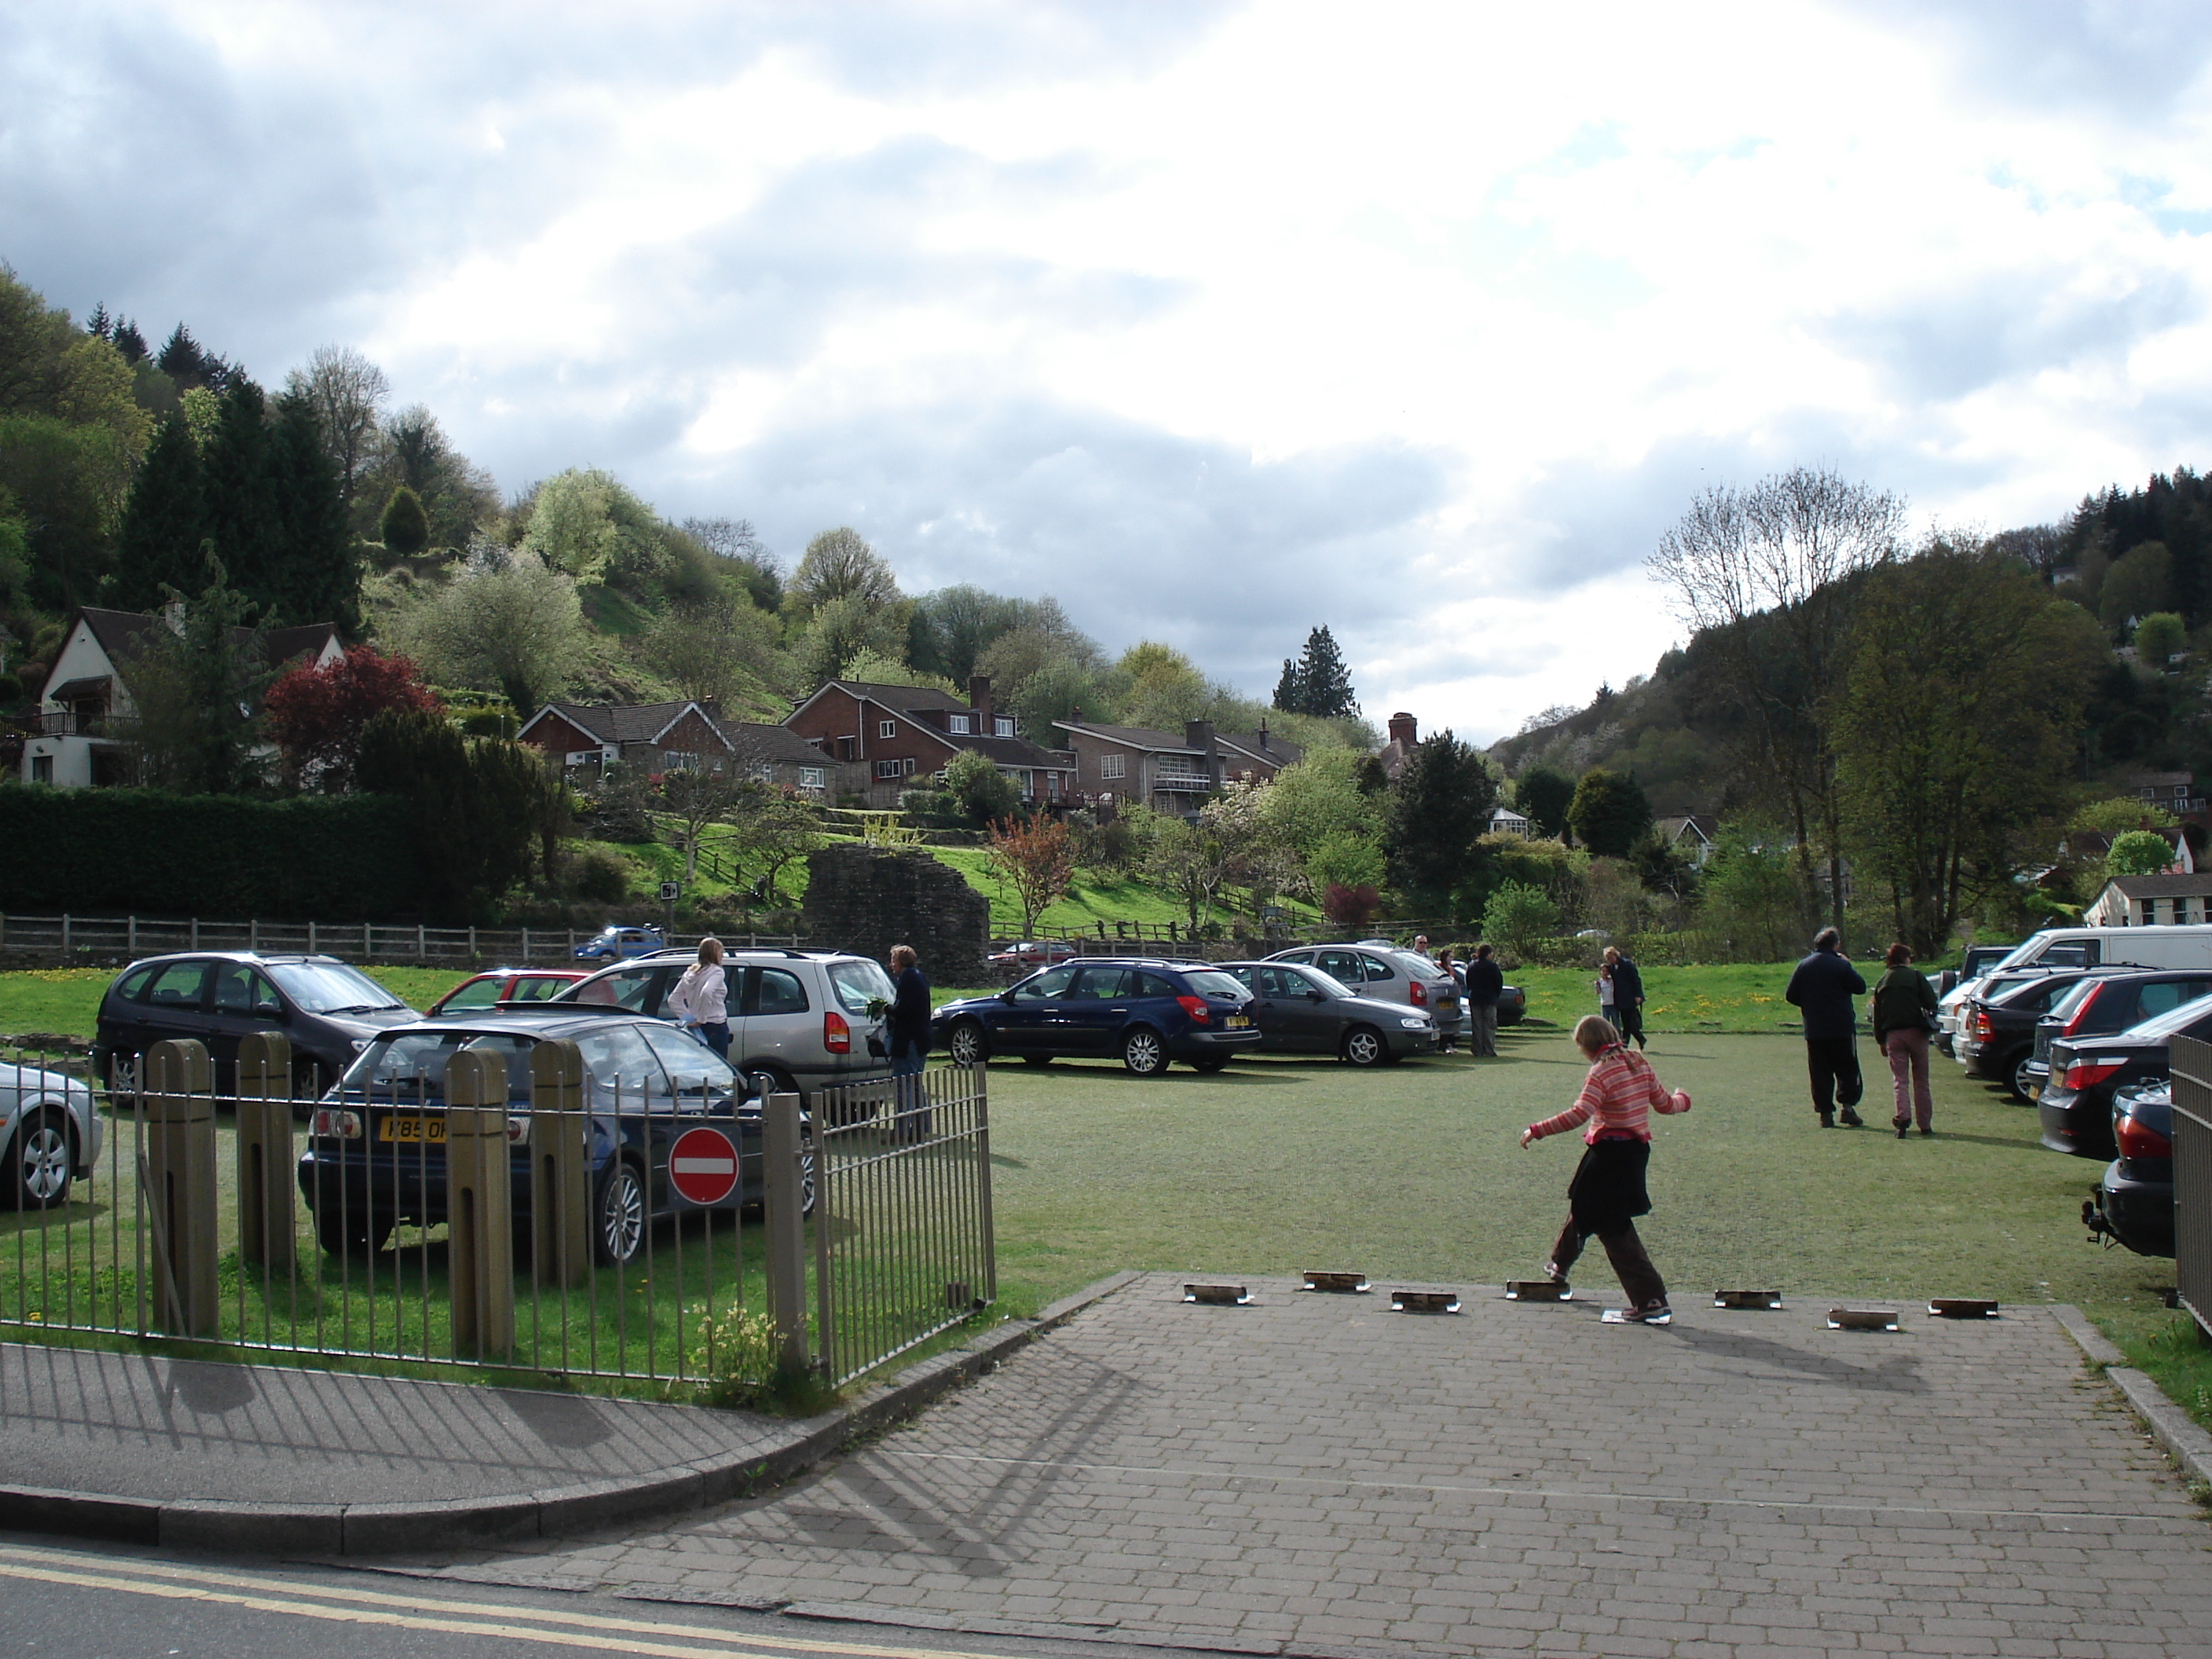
1315, 1473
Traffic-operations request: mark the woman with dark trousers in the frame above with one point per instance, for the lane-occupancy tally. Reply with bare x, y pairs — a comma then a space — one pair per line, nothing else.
910, 1043
1607, 1192
1904, 1006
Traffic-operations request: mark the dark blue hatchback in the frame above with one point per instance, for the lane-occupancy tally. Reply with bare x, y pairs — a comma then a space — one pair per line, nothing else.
1144, 1013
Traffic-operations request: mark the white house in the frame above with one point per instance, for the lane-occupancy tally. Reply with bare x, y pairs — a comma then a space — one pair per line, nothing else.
2147, 901
1504, 821
77, 737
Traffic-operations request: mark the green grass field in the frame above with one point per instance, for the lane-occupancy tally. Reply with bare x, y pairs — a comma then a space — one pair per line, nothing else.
1737, 996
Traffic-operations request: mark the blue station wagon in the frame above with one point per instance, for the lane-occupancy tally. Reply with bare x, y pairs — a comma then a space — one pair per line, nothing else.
1145, 1012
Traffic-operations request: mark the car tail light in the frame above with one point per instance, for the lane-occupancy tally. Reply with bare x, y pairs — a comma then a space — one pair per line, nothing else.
2137, 1141
1195, 1007
2087, 1073
1418, 994
332, 1124
1985, 1028
517, 1130
836, 1034
2081, 1012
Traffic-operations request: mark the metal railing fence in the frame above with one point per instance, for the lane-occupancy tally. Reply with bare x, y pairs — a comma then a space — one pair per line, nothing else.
121, 938
2191, 1065
903, 1239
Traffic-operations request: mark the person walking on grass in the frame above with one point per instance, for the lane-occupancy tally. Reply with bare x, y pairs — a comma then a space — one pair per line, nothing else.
1484, 985
1902, 1010
909, 1037
1822, 989
1607, 1193
700, 998
1627, 997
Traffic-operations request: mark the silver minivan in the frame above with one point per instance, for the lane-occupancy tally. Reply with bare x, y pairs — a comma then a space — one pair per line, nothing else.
799, 1020
1387, 974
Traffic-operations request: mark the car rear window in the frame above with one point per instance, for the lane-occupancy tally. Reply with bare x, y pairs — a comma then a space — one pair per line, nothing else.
859, 982
132, 985
1212, 983
412, 1066
2158, 1027
780, 992
475, 993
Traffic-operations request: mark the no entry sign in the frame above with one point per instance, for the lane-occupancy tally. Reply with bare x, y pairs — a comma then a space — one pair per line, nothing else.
702, 1166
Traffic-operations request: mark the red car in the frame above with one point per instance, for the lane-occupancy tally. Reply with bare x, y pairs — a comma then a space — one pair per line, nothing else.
480, 992
1039, 953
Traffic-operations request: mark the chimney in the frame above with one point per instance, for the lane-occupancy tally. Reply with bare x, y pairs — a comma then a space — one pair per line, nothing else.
1199, 735
1263, 734
979, 699
1404, 730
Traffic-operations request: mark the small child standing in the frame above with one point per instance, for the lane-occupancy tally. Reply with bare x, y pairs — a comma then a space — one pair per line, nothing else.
1607, 1192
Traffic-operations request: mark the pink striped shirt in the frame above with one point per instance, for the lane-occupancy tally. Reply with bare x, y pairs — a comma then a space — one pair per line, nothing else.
1617, 1098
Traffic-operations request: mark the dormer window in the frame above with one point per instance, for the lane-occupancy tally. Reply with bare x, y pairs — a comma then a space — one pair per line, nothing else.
1002, 728
959, 726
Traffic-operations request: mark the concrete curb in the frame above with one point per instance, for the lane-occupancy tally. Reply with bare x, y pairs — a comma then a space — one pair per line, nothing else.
2171, 1426
295, 1530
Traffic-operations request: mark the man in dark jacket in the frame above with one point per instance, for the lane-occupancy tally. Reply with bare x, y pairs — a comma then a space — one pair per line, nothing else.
1822, 989
1628, 999
910, 1041
1484, 985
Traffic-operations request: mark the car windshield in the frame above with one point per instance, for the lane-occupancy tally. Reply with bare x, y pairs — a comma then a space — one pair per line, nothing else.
332, 987
860, 981
1214, 983
412, 1066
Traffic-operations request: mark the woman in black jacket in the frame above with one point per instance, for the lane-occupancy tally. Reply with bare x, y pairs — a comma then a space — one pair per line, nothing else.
1904, 1007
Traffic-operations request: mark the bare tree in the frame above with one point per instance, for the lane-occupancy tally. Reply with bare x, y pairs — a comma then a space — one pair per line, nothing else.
1765, 572
347, 392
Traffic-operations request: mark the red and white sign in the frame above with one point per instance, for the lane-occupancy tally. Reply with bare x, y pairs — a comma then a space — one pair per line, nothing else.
702, 1166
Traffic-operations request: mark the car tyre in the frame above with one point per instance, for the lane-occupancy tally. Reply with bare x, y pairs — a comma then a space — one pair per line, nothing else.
1363, 1046
1038, 1060
2018, 1084
355, 1235
619, 1219
1210, 1064
965, 1044
307, 1078
41, 1160
1144, 1053
766, 1080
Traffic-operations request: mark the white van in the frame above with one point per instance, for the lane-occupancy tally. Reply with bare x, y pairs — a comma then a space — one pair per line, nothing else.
2187, 947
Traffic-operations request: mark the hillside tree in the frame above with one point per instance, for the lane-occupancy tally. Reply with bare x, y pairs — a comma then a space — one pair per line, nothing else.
347, 393
1439, 807
1608, 813
1036, 859
1318, 683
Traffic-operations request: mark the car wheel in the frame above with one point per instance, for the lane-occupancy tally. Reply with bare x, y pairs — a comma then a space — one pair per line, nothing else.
1211, 1063
1363, 1046
353, 1234
618, 1219
40, 1161
1143, 1052
307, 1088
965, 1043
2017, 1081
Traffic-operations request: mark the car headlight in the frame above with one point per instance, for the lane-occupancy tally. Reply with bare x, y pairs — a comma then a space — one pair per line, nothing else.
1413, 1023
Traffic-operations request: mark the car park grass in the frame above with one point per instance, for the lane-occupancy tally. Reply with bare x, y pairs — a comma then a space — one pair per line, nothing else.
1731, 997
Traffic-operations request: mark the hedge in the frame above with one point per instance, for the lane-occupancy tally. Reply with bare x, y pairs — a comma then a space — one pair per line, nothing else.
141, 852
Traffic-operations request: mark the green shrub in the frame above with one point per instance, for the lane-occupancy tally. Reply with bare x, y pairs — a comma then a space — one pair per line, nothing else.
598, 876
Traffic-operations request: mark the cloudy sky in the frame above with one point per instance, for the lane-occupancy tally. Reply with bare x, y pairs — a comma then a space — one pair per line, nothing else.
1214, 321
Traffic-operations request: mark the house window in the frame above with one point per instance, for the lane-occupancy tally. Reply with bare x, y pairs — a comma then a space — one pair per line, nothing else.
1052, 786
1028, 784
1113, 766
2181, 912
890, 769
42, 768
909, 766
810, 777
675, 760
1002, 726
887, 728
959, 726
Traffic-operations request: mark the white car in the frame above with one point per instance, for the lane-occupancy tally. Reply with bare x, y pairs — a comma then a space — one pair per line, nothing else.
51, 1131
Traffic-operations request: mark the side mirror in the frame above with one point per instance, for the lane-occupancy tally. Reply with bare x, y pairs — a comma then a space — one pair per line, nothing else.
269, 1010
1007, 995
1315, 995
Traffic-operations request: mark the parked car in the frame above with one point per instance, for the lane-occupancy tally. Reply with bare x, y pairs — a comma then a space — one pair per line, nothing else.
1512, 1001
330, 1011
1990, 984
375, 1155
2087, 1072
479, 992
2102, 1005
1978, 960
1302, 1011
1390, 976
800, 1020
617, 943
2134, 1201
1147, 1011
1996, 1037
51, 1133
1032, 953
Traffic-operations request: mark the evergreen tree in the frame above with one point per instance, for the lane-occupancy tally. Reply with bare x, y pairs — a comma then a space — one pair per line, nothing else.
1323, 682
1609, 814
244, 516
128, 341
98, 324
1440, 804
164, 521
185, 362
1543, 796
316, 576
1289, 696
405, 527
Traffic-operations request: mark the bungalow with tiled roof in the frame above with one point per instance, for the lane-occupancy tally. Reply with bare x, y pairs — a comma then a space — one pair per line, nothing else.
660, 737
905, 736
1169, 774
78, 735
2147, 901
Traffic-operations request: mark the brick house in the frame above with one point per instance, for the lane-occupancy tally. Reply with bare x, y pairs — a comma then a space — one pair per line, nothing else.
903, 736
1405, 738
660, 737
78, 736
778, 755
1167, 773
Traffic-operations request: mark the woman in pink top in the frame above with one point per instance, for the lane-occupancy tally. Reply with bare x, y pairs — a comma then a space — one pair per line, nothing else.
1608, 1193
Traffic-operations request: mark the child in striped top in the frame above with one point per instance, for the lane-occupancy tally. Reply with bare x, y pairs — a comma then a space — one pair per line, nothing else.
1607, 1192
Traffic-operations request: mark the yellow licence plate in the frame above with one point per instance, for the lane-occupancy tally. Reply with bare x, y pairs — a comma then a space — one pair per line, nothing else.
430, 1129
1237, 1022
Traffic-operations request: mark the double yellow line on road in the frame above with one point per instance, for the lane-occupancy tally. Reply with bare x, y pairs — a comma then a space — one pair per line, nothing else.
337, 1604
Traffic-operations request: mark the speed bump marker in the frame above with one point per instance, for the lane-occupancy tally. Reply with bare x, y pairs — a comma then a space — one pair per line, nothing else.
1424, 1302
1217, 1296
1538, 1290
1341, 1284
1963, 1307
1746, 1298
1862, 1319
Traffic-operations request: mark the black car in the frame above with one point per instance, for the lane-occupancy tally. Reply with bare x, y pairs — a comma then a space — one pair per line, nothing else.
1303, 1011
1996, 1037
1512, 1001
2102, 1004
2134, 1202
329, 1010
1148, 1012
2087, 1073
375, 1157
